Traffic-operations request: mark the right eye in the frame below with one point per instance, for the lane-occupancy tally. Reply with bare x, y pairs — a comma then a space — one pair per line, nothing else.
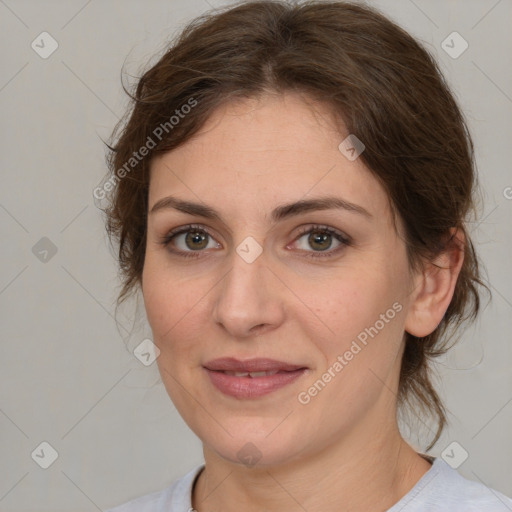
189, 241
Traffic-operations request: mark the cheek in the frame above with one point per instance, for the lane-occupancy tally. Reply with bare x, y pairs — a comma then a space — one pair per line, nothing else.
351, 303
362, 320
174, 314
159, 301
172, 306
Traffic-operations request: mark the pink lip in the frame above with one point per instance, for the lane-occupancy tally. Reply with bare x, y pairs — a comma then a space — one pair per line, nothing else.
251, 387
251, 365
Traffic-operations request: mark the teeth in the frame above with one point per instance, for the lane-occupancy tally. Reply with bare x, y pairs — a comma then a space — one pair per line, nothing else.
258, 374
252, 374
262, 374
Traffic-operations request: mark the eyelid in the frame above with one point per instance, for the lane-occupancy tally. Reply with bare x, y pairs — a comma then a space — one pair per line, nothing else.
322, 227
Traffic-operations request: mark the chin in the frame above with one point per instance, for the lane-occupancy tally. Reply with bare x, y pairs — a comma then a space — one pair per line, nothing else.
253, 445
254, 454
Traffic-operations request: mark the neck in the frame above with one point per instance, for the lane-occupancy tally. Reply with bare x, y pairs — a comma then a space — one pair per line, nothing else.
362, 471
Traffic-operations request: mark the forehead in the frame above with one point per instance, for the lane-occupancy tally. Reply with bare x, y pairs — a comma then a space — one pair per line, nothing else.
254, 153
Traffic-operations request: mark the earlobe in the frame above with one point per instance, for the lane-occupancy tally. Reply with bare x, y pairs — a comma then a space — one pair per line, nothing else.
434, 288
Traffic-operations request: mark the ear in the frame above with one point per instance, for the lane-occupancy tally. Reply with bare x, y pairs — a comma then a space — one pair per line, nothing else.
434, 287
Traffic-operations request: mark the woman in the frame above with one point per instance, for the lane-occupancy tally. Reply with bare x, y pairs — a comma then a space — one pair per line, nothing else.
291, 190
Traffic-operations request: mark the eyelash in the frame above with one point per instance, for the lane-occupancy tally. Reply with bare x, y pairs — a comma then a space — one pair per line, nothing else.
344, 240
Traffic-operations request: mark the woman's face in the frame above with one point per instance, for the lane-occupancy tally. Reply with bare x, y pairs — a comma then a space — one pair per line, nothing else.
321, 292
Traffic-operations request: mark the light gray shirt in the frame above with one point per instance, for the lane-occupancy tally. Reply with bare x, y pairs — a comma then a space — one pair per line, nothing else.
440, 489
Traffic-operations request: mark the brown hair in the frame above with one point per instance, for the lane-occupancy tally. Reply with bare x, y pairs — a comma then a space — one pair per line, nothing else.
385, 86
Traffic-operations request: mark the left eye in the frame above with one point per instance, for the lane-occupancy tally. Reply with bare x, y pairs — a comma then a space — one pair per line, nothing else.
320, 239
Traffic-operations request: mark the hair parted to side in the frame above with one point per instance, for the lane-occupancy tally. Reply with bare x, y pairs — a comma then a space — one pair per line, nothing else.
385, 87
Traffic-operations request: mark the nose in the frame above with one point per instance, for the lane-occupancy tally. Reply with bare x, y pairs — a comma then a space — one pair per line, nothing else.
249, 299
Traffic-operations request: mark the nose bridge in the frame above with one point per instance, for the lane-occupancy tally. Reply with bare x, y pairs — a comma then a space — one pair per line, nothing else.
248, 296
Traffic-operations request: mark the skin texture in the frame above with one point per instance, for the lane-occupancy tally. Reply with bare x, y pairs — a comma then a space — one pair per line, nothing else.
342, 450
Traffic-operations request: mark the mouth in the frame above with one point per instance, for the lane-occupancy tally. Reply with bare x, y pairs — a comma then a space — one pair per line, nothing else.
252, 378
250, 374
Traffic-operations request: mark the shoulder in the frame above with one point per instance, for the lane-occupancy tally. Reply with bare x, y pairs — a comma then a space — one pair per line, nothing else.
175, 498
442, 488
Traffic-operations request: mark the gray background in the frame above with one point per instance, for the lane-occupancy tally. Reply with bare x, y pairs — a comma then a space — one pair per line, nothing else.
68, 375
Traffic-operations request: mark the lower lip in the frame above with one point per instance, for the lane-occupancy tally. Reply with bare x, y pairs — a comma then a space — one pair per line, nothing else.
252, 387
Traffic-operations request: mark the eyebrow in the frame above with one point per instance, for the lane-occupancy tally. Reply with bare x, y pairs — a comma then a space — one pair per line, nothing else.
279, 213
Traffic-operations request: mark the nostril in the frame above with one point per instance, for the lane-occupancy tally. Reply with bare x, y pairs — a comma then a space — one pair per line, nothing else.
258, 327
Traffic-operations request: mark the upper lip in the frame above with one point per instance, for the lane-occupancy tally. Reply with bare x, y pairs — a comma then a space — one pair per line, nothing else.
251, 365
